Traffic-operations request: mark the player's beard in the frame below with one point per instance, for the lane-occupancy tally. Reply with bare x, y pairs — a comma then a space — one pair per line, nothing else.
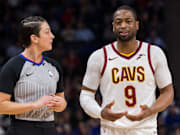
125, 38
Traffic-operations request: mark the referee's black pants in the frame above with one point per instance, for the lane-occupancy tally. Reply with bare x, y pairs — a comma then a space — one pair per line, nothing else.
21, 127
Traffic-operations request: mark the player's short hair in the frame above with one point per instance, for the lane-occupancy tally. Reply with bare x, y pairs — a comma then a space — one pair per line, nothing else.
28, 26
125, 7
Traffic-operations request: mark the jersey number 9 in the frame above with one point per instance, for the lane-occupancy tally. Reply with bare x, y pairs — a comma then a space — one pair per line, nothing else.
130, 96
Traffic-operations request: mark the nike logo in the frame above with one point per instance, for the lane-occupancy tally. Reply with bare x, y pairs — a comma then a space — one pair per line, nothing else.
140, 56
113, 58
28, 74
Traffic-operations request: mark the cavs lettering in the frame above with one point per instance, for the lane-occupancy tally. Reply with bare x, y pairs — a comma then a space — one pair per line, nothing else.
127, 73
135, 73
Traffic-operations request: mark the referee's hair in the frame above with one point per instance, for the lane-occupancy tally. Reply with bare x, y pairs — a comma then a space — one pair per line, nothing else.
28, 26
126, 7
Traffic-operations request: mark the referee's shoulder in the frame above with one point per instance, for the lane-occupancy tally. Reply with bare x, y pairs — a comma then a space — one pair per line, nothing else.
14, 61
53, 62
50, 60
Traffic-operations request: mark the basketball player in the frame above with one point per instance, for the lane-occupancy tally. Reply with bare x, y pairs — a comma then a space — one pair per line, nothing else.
31, 84
127, 72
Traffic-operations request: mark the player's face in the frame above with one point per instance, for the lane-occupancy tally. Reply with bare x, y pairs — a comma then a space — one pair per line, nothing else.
46, 37
124, 25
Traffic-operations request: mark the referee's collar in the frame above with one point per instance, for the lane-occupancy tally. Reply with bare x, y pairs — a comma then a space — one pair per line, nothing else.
26, 59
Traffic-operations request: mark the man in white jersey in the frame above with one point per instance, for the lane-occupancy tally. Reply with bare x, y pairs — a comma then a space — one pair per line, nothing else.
127, 72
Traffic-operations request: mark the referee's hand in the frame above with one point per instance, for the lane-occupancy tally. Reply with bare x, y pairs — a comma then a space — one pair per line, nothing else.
107, 114
43, 101
58, 104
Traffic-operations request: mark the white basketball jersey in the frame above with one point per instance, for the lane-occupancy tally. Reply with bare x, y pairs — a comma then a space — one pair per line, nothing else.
130, 82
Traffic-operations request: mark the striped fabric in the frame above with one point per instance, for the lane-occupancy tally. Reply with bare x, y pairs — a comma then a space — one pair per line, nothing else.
33, 81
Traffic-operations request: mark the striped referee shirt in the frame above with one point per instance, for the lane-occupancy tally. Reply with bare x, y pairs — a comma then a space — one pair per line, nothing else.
28, 81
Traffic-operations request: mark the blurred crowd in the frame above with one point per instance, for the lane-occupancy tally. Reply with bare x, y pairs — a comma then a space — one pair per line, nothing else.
80, 27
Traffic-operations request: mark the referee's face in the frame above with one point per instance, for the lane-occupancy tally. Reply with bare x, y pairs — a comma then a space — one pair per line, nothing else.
46, 37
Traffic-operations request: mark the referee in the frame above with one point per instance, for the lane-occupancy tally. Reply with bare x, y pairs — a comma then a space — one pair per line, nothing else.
31, 86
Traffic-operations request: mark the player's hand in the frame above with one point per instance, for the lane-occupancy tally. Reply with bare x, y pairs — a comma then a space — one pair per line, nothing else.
107, 114
145, 112
58, 103
43, 101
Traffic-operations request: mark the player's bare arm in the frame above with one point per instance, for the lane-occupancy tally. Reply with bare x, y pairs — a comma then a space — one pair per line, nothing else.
107, 114
164, 100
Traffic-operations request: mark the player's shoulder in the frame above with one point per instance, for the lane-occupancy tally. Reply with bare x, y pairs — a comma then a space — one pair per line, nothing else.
97, 54
100, 52
153, 48
156, 50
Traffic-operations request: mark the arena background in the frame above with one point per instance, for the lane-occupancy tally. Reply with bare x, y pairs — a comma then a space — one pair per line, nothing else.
82, 26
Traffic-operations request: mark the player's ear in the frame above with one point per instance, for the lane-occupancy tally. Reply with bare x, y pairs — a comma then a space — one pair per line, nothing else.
113, 26
137, 25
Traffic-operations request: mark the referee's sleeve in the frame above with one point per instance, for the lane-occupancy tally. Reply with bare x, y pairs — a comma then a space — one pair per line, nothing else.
8, 78
60, 86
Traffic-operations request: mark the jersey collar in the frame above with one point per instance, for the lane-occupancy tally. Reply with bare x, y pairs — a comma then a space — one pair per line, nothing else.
127, 57
38, 64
